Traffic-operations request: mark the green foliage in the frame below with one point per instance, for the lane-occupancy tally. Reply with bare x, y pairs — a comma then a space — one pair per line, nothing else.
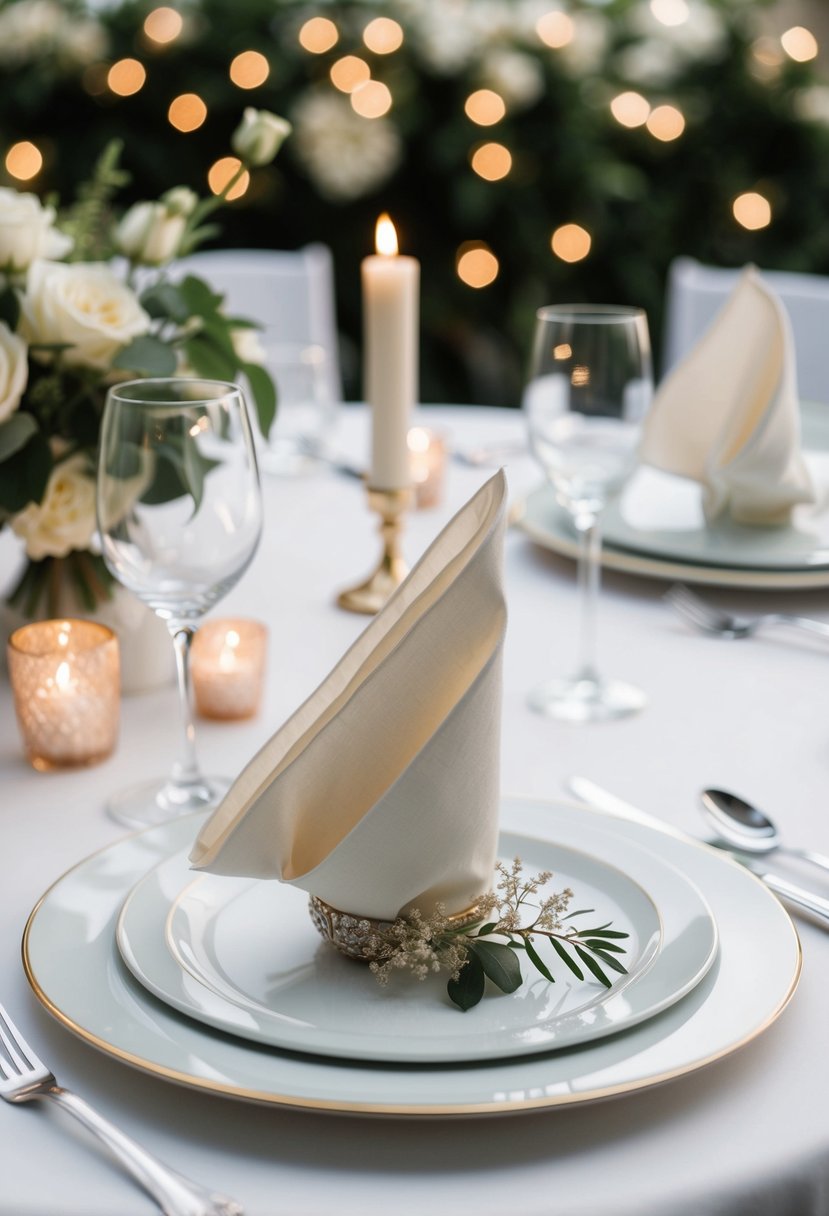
489, 949
89, 220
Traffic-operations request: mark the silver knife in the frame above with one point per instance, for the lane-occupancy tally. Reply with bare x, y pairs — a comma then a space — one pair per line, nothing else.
603, 800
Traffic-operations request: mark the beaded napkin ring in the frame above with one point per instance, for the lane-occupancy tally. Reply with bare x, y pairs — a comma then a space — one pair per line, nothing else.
360, 937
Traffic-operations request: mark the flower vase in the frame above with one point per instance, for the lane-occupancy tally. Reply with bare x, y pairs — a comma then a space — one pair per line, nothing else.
147, 656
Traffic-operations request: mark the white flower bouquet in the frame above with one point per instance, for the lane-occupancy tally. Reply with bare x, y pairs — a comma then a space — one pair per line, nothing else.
73, 319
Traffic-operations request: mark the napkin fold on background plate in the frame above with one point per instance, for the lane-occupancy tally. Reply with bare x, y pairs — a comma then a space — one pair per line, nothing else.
381, 793
728, 414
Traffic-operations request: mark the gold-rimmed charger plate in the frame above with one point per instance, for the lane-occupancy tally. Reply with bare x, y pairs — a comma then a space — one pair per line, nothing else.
74, 967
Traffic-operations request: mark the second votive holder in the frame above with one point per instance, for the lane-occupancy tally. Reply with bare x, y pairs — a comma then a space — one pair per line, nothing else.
227, 666
427, 460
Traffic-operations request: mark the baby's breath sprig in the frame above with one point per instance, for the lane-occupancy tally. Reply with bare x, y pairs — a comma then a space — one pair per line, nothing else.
512, 917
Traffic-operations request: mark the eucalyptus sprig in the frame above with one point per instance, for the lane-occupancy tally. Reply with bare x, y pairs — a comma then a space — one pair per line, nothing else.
512, 918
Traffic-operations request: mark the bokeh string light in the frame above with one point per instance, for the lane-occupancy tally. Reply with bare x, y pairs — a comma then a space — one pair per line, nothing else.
476, 265
126, 77
24, 160
187, 112
163, 25
249, 69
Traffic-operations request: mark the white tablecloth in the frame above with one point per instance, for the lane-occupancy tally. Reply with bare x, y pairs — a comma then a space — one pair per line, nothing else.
746, 1135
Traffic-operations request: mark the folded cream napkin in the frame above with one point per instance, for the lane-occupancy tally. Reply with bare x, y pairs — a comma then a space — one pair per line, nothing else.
728, 416
381, 793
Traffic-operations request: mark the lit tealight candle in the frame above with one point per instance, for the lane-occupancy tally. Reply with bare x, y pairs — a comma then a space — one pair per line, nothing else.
391, 301
228, 668
65, 677
427, 460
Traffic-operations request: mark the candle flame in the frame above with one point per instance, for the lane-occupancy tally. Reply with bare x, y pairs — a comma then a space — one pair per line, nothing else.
63, 675
227, 657
385, 237
418, 439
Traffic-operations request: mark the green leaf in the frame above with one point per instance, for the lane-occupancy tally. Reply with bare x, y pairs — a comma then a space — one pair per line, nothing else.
24, 478
263, 391
537, 961
169, 479
15, 434
165, 300
487, 928
611, 962
601, 944
10, 307
146, 356
565, 958
207, 359
466, 991
592, 966
196, 468
197, 236
244, 323
602, 933
499, 963
579, 912
200, 298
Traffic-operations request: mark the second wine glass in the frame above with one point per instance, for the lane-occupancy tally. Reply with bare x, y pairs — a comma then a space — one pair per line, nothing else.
589, 387
180, 516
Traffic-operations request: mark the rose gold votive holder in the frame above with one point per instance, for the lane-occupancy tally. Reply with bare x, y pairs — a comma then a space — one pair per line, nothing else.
227, 663
65, 677
427, 457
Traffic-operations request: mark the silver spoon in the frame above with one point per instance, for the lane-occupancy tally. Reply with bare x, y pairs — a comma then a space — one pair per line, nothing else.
745, 827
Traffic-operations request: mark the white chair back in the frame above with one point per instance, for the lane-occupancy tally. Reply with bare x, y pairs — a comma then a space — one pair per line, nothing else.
696, 292
290, 293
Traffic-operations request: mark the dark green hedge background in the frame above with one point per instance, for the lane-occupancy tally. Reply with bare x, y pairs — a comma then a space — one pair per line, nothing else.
756, 120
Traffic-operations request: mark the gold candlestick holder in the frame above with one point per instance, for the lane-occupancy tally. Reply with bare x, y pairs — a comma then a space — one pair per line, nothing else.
370, 596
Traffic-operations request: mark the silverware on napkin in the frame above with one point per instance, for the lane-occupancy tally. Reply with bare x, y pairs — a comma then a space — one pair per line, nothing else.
23, 1077
791, 893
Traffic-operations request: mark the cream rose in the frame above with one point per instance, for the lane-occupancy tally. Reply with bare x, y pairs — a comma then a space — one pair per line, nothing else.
85, 306
14, 371
247, 345
27, 231
259, 136
65, 519
150, 233
180, 200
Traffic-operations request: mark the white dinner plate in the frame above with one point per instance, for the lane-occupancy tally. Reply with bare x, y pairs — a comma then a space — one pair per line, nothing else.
657, 529
74, 967
244, 956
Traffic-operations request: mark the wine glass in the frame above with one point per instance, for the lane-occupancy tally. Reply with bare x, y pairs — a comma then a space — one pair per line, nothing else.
589, 387
180, 516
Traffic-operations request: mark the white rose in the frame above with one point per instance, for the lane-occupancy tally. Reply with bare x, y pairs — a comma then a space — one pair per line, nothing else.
259, 136
247, 345
14, 371
27, 231
65, 519
180, 200
346, 155
150, 233
84, 305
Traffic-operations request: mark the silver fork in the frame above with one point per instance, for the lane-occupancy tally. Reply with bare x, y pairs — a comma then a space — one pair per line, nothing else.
727, 625
24, 1077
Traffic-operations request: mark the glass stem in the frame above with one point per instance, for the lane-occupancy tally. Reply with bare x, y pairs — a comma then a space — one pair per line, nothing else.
186, 768
589, 568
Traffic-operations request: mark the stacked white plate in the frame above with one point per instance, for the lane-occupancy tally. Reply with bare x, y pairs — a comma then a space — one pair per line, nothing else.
223, 984
657, 529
